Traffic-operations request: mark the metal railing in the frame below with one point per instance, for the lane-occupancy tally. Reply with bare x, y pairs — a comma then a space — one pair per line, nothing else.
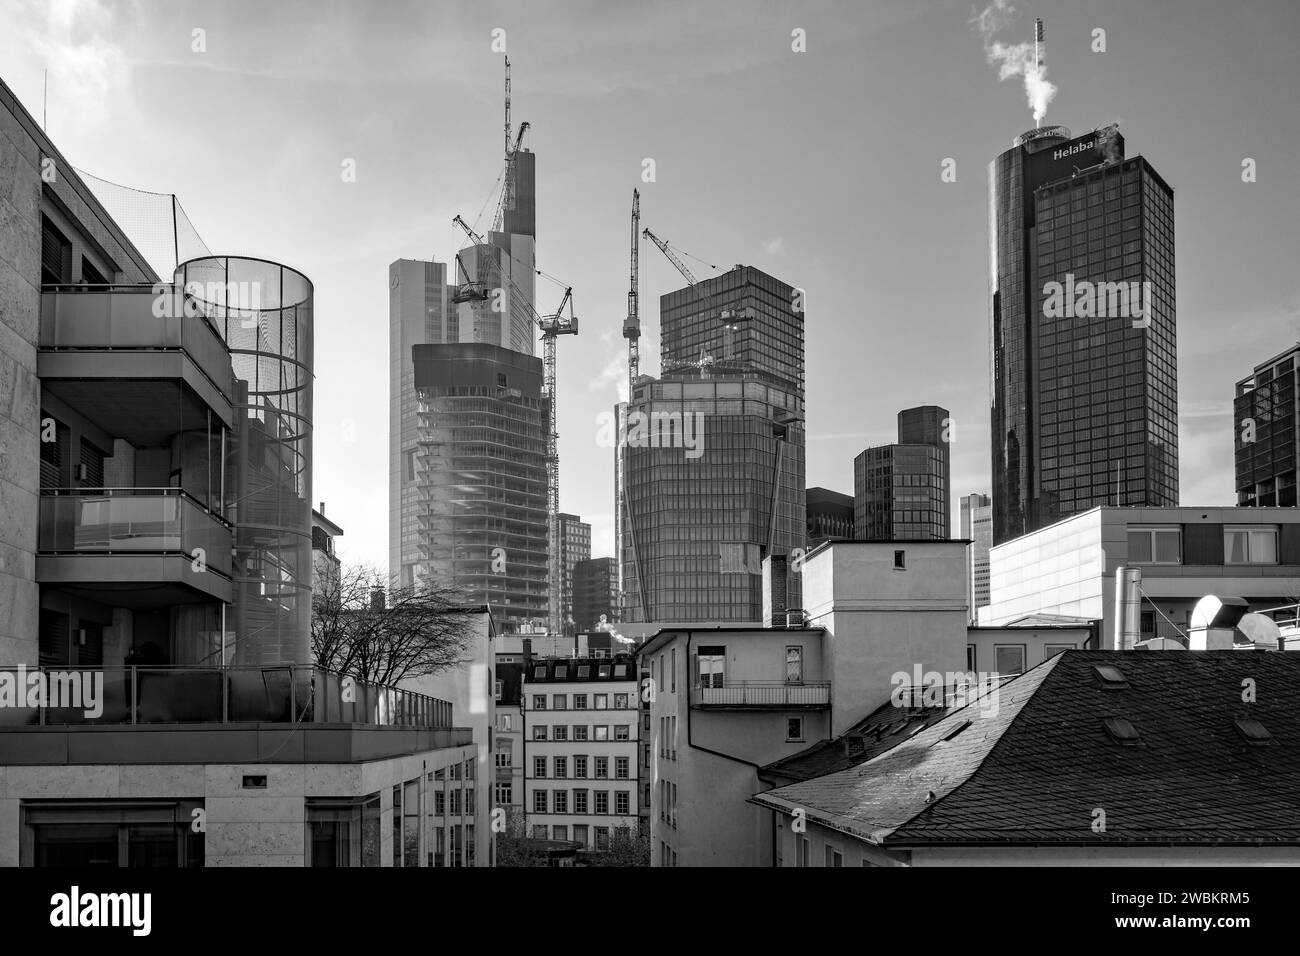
140, 694
132, 521
761, 693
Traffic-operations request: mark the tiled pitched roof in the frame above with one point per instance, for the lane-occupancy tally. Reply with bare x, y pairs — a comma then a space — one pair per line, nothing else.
883, 729
1037, 770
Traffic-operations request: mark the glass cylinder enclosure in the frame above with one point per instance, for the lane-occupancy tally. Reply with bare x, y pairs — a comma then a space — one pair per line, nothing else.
263, 311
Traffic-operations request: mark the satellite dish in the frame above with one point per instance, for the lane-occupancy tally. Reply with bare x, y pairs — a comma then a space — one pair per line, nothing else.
1261, 630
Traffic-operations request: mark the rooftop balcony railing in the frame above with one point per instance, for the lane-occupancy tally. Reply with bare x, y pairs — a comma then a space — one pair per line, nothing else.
133, 318
762, 693
288, 694
132, 521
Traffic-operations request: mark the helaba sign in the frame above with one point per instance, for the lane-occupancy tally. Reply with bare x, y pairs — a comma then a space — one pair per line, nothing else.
1065, 152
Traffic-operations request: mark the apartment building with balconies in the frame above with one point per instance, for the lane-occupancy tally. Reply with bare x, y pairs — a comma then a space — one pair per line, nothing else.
156, 568
582, 721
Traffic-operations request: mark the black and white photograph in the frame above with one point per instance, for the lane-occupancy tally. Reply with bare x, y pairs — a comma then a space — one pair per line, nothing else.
581, 434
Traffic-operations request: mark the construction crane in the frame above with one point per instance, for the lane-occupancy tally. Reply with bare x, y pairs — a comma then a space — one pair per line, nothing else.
552, 326
632, 324
631, 332
507, 200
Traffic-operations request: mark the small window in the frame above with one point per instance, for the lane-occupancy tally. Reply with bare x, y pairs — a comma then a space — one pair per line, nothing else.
1122, 731
584, 671
579, 701
501, 688
620, 670
970, 657
561, 702
1251, 545
561, 671
1155, 546
900, 560
539, 731
1256, 734
1110, 676
1010, 658
539, 672
539, 702
794, 728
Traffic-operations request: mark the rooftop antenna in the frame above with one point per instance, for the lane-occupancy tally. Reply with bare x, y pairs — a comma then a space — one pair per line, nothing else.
1040, 51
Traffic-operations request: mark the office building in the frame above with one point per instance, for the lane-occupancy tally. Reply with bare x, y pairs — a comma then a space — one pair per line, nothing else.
1069, 568
901, 491
582, 747
977, 527
595, 593
575, 546
1081, 303
158, 549
714, 471
480, 467
830, 515
1090, 720
1264, 426
423, 310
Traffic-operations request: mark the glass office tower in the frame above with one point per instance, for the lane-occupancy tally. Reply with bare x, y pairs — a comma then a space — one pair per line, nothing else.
1084, 403
715, 452
481, 470
901, 491
1264, 452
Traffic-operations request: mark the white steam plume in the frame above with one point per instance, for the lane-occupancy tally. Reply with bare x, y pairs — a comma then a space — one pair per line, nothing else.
1014, 59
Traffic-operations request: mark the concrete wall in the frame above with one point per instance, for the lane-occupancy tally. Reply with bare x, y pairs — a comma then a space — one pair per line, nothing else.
471, 689
23, 196
243, 827
718, 752
880, 619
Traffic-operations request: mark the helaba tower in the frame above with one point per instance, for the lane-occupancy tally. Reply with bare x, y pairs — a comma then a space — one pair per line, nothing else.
1084, 383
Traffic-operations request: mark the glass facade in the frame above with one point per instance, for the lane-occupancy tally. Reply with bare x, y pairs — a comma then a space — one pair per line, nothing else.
264, 313
481, 471
901, 491
1084, 364
1265, 434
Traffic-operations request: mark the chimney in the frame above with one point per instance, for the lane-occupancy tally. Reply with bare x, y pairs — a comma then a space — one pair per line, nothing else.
775, 586
321, 509
1128, 607
377, 598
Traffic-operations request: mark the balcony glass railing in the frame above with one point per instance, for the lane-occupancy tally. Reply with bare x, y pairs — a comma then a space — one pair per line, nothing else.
214, 695
132, 521
134, 318
761, 693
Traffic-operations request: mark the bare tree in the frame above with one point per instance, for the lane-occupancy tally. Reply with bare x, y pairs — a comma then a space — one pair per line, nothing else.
366, 630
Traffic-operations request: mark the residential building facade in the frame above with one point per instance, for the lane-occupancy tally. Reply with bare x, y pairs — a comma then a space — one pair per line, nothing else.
582, 772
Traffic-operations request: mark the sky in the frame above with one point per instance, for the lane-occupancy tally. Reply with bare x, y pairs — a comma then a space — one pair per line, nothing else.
822, 167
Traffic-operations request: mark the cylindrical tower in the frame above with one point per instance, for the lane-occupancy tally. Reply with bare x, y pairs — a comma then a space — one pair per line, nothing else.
263, 310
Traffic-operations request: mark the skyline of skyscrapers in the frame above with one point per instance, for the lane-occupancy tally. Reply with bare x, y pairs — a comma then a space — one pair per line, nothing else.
1082, 319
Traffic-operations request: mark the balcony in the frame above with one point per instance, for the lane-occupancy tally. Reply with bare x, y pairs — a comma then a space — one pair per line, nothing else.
761, 694
160, 535
284, 714
108, 332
